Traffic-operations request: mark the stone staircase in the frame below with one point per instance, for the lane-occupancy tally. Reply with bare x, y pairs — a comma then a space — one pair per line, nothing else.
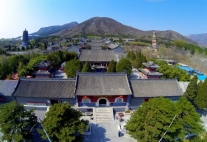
102, 114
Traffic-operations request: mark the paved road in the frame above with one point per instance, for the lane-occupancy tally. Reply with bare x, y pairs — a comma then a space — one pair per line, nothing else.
107, 132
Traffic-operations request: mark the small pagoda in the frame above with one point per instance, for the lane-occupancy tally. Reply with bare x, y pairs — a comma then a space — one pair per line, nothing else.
43, 70
150, 71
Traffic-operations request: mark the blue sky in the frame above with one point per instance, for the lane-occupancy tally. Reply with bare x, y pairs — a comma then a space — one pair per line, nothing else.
183, 16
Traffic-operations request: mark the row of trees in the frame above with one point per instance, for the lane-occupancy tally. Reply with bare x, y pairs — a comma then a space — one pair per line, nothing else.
196, 93
9, 65
62, 123
72, 66
136, 59
172, 71
58, 57
191, 47
161, 118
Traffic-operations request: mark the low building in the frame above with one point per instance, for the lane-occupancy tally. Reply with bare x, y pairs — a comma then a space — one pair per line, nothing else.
7, 88
150, 72
116, 48
98, 59
40, 93
143, 90
74, 49
43, 70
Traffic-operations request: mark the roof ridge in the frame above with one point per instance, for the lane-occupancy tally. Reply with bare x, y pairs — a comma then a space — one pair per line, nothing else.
51, 79
153, 80
101, 74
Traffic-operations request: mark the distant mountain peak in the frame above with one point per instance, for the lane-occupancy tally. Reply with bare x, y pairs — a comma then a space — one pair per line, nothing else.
199, 38
109, 26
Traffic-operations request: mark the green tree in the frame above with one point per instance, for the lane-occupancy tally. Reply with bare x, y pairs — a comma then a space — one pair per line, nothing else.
192, 90
139, 59
62, 123
111, 67
22, 70
16, 122
32, 42
72, 67
151, 120
201, 98
86, 67
179, 43
124, 65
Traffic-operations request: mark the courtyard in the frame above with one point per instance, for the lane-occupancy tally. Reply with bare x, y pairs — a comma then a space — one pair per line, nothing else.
105, 132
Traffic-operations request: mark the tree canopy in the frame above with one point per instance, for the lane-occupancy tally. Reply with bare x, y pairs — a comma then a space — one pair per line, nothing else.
59, 57
192, 89
172, 71
62, 123
86, 67
151, 120
124, 65
16, 122
201, 98
111, 67
72, 67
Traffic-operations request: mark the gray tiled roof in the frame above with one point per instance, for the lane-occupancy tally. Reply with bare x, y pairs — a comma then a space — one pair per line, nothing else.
155, 88
44, 63
74, 49
7, 87
146, 72
96, 48
96, 44
51, 88
151, 64
183, 85
97, 55
112, 46
102, 84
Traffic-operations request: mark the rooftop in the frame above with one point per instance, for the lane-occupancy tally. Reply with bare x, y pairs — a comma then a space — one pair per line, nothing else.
102, 84
151, 64
45, 88
7, 87
147, 72
97, 55
155, 88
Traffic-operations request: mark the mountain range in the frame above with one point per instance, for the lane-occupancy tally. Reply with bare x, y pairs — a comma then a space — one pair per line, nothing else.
106, 26
45, 31
199, 38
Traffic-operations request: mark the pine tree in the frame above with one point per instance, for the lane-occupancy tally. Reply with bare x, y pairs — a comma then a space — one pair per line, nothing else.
144, 60
111, 67
201, 98
192, 90
62, 123
124, 65
16, 122
86, 67
139, 59
149, 122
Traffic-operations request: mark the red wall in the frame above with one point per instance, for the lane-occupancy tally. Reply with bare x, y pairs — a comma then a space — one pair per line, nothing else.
95, 98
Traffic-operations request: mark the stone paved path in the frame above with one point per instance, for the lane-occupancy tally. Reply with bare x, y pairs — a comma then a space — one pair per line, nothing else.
107, 132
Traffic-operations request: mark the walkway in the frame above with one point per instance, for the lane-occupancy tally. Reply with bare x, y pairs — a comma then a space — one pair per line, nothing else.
107, 132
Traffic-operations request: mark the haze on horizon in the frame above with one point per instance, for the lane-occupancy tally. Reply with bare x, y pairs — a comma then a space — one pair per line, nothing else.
185, 17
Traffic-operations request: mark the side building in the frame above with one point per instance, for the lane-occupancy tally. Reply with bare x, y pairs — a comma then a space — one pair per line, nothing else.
41, 93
